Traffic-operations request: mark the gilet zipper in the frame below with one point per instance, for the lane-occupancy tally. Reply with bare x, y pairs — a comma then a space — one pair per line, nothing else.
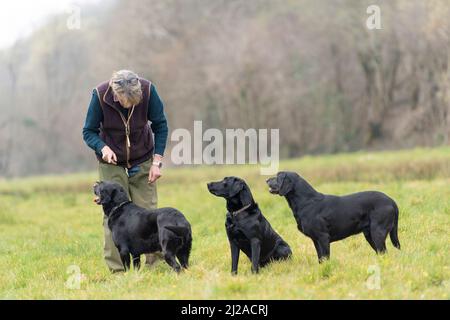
126, 123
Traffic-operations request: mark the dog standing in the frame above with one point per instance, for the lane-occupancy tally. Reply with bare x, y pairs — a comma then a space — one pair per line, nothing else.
247, 228
137, 231
328, 218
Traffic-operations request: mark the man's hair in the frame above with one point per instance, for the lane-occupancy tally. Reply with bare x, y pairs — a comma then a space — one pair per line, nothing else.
126, 85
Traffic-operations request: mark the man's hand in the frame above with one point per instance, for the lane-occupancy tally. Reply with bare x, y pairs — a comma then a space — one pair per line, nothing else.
155, 171
154, 174
108, 155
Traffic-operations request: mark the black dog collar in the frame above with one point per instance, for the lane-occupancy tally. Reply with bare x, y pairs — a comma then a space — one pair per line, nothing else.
234, 213
118, 207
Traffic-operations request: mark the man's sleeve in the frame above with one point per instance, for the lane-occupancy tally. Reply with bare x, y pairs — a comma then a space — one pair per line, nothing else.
91, 127
158, 121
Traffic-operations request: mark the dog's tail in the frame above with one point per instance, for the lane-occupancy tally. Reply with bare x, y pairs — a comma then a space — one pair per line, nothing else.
393, 234
180, 231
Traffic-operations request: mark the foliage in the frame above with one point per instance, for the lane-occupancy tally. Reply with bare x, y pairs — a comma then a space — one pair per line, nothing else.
49, 223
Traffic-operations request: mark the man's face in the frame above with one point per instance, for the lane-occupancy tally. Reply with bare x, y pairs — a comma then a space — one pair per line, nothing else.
124, 102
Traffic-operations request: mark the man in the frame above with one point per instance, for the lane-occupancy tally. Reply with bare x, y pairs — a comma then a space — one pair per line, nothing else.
117, 129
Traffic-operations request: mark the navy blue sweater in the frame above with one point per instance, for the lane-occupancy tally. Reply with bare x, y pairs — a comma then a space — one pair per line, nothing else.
156, 116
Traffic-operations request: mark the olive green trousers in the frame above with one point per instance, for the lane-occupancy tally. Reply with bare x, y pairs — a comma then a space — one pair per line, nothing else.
140, 192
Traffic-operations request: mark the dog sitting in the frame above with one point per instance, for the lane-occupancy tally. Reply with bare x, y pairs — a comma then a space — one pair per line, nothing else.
247, 228
137, 231
328, 218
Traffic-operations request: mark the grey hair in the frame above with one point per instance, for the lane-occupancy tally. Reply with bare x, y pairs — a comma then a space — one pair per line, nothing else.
126, 85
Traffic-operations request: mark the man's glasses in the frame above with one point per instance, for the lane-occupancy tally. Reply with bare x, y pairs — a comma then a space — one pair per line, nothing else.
122, 82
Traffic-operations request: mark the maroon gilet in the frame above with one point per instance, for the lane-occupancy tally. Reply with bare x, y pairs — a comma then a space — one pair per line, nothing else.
131, 137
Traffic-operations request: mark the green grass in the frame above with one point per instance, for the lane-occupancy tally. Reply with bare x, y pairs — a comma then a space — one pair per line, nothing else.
50, 223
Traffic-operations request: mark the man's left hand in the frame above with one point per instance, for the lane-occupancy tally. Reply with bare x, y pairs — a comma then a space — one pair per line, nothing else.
155, 171
154, 174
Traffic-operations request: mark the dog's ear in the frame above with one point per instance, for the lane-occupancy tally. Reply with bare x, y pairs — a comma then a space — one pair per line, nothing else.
106, 195
245, 195
285, 183
119, 195
236, 187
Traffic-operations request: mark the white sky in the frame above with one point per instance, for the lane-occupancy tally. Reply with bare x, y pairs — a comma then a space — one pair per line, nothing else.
18, 18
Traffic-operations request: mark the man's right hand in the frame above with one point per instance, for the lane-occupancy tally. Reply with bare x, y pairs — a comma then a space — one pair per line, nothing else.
108, 155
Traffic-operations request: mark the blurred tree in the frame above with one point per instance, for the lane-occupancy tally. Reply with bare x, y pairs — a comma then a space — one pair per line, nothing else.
310, 68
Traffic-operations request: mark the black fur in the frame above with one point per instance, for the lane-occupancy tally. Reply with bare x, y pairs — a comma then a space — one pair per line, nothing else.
328, 218
137, 231
247, 228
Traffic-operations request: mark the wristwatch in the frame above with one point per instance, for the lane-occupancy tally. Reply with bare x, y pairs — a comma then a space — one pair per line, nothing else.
157, 163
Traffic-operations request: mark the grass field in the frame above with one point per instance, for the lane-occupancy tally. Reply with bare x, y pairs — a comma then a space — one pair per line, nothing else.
48, 224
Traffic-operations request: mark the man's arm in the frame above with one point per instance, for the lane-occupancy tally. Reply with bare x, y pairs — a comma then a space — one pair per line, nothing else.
158, 121
159, 127
91, 127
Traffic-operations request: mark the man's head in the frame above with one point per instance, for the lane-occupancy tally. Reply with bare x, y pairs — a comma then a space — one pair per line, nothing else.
126, 87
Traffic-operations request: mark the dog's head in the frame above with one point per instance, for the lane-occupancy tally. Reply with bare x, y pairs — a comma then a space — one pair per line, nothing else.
109, 193
283, 183
230, 188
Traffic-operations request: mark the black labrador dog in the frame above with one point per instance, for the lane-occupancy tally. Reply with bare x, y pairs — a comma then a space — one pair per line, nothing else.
137, 231
328, 218
247, 228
